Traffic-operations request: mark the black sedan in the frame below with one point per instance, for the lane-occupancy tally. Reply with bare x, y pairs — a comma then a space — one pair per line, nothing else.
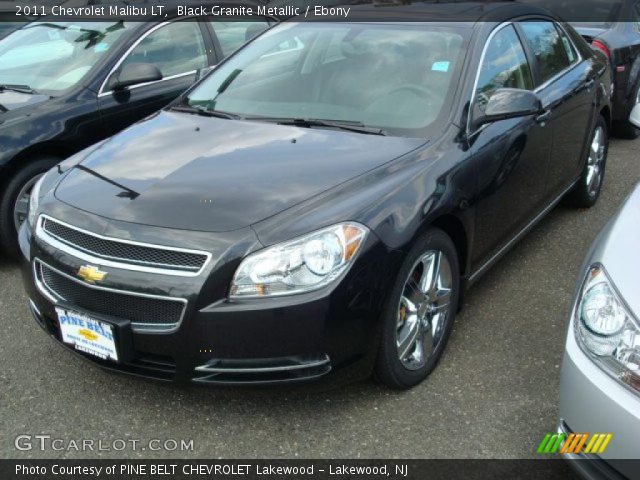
612, 27
8, 19
65, 86
321, 199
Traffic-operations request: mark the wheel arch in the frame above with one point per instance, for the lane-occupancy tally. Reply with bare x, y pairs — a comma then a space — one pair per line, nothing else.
41, 150
454, 227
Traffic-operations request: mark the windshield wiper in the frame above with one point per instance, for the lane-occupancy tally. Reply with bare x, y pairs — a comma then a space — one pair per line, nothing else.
126, 191
350, 126
17, 88
205, 112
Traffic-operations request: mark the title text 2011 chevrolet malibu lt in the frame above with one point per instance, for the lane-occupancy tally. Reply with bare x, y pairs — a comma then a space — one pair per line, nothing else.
320, 200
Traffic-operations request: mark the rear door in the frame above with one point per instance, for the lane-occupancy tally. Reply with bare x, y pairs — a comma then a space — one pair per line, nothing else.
566, 86
178, 49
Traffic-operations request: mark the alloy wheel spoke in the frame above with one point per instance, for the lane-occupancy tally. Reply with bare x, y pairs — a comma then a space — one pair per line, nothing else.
430, 271
595, 145
413, 292
441, 300
22, 205
590, 176
411, 307
412, 336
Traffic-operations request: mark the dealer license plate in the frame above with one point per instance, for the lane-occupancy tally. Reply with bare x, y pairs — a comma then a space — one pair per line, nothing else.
87, 334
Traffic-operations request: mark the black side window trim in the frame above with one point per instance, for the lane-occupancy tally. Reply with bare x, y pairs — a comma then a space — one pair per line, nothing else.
531, 58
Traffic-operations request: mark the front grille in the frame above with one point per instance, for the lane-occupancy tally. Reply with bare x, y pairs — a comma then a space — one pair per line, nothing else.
141, 310
153, 256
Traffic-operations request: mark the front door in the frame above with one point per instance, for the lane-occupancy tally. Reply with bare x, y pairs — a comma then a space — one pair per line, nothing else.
511, 156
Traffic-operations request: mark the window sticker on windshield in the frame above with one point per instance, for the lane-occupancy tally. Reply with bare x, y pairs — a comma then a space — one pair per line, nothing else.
53, 34
101, 47
440, 66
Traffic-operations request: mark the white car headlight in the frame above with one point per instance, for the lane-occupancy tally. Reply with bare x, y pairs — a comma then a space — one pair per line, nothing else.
34, 201
606, 330
301, 265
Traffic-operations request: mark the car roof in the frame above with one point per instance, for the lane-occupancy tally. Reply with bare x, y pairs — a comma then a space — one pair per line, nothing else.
444, 11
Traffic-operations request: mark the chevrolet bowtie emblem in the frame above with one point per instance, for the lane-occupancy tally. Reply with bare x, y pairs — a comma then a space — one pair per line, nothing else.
91, 274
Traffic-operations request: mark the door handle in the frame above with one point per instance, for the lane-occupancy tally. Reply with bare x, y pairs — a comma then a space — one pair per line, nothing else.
589, 83
543, 117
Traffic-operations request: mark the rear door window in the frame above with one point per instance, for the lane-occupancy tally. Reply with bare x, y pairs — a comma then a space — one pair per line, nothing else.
553, 53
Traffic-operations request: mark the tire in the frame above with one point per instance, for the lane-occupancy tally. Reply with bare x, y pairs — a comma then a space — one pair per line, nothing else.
15, 187
585, 194
624, 128
399, 364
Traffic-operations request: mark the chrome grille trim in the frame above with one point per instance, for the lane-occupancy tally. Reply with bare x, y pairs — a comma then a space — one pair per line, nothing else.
55, 297
91, 256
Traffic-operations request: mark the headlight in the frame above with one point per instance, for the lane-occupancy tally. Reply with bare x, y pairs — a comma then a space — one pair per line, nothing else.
301, 265
606, 330
34, 201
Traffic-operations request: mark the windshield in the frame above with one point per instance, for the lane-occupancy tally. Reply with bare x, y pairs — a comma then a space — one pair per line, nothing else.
52, 57
393, 77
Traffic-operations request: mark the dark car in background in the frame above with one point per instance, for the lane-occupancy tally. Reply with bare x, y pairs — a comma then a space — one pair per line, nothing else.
9, 21
321, 199
612, 27
13, 13
65, 86
7, 27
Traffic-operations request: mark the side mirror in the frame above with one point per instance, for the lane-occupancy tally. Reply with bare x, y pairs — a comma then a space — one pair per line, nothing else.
507, 103
134, 74
635, 116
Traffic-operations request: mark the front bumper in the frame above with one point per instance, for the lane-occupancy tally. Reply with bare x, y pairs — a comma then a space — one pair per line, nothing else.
593, 402
593, 467
254, 341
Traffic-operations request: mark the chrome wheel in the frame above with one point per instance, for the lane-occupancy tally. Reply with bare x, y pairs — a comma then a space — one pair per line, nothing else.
423, 311
595, 162
21, 207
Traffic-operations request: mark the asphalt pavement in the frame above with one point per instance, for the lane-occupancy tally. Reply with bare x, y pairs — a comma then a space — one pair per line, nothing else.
494, 395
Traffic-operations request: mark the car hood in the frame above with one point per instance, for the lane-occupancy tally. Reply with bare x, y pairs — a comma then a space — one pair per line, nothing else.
190, 172
14, 100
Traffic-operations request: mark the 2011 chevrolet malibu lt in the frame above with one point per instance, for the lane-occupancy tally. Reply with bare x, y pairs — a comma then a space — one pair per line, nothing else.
321, 199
